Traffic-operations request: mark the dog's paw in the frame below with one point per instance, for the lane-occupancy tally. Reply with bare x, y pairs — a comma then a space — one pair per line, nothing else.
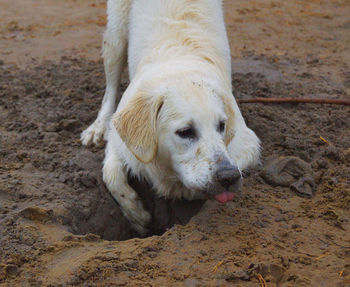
245, 149
139, 219
94, 134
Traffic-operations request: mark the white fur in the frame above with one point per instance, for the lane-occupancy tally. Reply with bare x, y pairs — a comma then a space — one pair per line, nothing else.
177, 50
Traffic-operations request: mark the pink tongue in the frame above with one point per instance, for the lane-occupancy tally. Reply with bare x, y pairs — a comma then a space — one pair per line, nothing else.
224, 197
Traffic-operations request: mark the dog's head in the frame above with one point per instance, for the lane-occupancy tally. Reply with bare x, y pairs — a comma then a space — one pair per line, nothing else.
185, 127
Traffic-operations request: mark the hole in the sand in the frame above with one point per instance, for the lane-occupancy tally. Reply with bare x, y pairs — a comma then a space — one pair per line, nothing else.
107, 221
83, 204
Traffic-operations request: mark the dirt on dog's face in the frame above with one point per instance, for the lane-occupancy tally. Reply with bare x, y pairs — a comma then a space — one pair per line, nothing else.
191, 131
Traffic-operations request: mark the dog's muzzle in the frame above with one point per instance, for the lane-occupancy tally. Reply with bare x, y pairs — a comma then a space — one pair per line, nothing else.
227, 180
227, 174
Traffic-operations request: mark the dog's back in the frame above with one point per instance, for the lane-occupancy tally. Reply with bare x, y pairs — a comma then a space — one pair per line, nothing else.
160, 31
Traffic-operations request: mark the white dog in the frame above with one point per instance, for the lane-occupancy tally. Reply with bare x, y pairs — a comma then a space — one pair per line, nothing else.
177, 124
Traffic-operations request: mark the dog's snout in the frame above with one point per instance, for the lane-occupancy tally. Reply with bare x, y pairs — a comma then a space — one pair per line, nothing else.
227, 174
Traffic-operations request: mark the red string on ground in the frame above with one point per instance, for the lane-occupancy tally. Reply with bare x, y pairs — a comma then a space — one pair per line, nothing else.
296, 100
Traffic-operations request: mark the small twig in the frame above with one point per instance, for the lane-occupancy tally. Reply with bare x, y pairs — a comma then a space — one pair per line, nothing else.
217, 266
322, 255
296, 100
262, 281
323, 139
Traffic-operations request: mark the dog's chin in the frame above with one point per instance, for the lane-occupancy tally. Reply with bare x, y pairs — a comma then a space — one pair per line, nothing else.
217, 192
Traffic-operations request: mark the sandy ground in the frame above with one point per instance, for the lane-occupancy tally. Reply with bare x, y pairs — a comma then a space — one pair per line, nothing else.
289, 226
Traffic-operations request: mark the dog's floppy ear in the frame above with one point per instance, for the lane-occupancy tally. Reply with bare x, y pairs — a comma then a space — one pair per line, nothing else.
228, 101
137, 123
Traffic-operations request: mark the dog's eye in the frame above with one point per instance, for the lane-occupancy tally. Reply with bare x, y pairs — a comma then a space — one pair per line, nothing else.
221, 126
186, 133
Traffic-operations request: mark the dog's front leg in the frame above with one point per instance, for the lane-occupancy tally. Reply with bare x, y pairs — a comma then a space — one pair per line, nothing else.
115, 178
114, 57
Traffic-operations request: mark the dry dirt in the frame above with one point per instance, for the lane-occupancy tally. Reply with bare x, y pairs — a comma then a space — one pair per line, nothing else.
289, 226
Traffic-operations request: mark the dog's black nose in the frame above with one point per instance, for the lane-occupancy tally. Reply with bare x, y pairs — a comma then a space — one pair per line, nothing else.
227, 174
